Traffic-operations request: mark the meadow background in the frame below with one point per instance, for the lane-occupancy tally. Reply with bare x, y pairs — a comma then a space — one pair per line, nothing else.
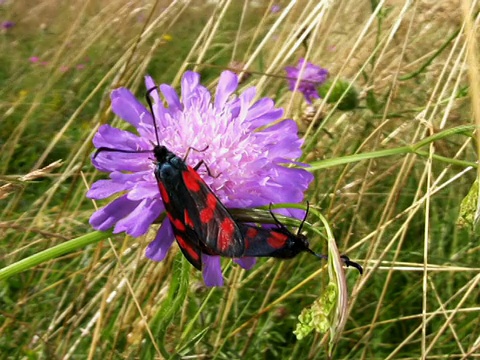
393, 208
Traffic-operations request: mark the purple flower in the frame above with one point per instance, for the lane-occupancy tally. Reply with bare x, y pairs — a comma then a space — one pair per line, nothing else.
247, 165
8, 25
312, 76
275, 9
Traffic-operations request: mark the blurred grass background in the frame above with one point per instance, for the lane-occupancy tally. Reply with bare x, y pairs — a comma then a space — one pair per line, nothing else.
414, 66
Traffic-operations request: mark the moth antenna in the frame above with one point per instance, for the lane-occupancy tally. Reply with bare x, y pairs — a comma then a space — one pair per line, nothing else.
345, 258
304, 219
274, 217
103, 148
320, 256
349, 263
149, 101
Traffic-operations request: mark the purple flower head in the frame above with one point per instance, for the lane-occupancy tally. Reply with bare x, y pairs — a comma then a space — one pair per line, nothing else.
312, 77
247, 165
8, 25
275, 9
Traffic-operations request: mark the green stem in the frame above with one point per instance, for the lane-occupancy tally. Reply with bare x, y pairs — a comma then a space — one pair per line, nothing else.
410, 149
52, 253
432, 58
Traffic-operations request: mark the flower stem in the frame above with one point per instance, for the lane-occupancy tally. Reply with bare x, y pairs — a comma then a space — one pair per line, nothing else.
52, 253
410, 149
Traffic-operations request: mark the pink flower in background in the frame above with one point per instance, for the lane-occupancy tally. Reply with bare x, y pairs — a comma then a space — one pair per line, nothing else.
312, 77
275, 9
6, 25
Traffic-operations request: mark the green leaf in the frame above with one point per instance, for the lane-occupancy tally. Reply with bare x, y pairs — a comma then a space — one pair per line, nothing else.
372, 104
52, 253
468, 208
317, 317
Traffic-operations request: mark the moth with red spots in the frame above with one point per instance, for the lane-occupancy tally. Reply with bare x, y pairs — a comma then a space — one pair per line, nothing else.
200, 222
279, 242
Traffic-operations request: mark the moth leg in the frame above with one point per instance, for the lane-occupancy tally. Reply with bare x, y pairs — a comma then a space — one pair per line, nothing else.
200, 163
194, 149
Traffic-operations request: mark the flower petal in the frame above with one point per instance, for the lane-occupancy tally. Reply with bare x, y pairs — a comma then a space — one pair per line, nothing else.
103, 189
158, 248
241, 108
144, 189
264, 112
227, 84
283, 139
246, 262
173, 101
104, 218
150, 84
122, 162
190, 81
118, 182
140, 219
212, 270
126, 106
114, 138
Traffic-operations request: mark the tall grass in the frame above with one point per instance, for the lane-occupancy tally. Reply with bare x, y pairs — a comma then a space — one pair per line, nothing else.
414, 66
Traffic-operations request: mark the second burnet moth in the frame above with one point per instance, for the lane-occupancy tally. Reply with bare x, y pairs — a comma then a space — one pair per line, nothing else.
280, 242
200, 222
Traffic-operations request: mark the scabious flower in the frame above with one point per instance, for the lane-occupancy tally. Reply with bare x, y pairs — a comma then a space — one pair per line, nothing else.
312, 76
7, 25
247, 164
275, 9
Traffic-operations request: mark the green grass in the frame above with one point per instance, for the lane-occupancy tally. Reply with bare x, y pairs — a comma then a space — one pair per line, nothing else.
392, 206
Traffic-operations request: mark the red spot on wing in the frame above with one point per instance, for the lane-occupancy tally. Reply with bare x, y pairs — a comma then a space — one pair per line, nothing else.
185, 246
206, 215
177, 223
225, 236
252, 233
212, 201
192, 180
277, 240
163, 193
188, 219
